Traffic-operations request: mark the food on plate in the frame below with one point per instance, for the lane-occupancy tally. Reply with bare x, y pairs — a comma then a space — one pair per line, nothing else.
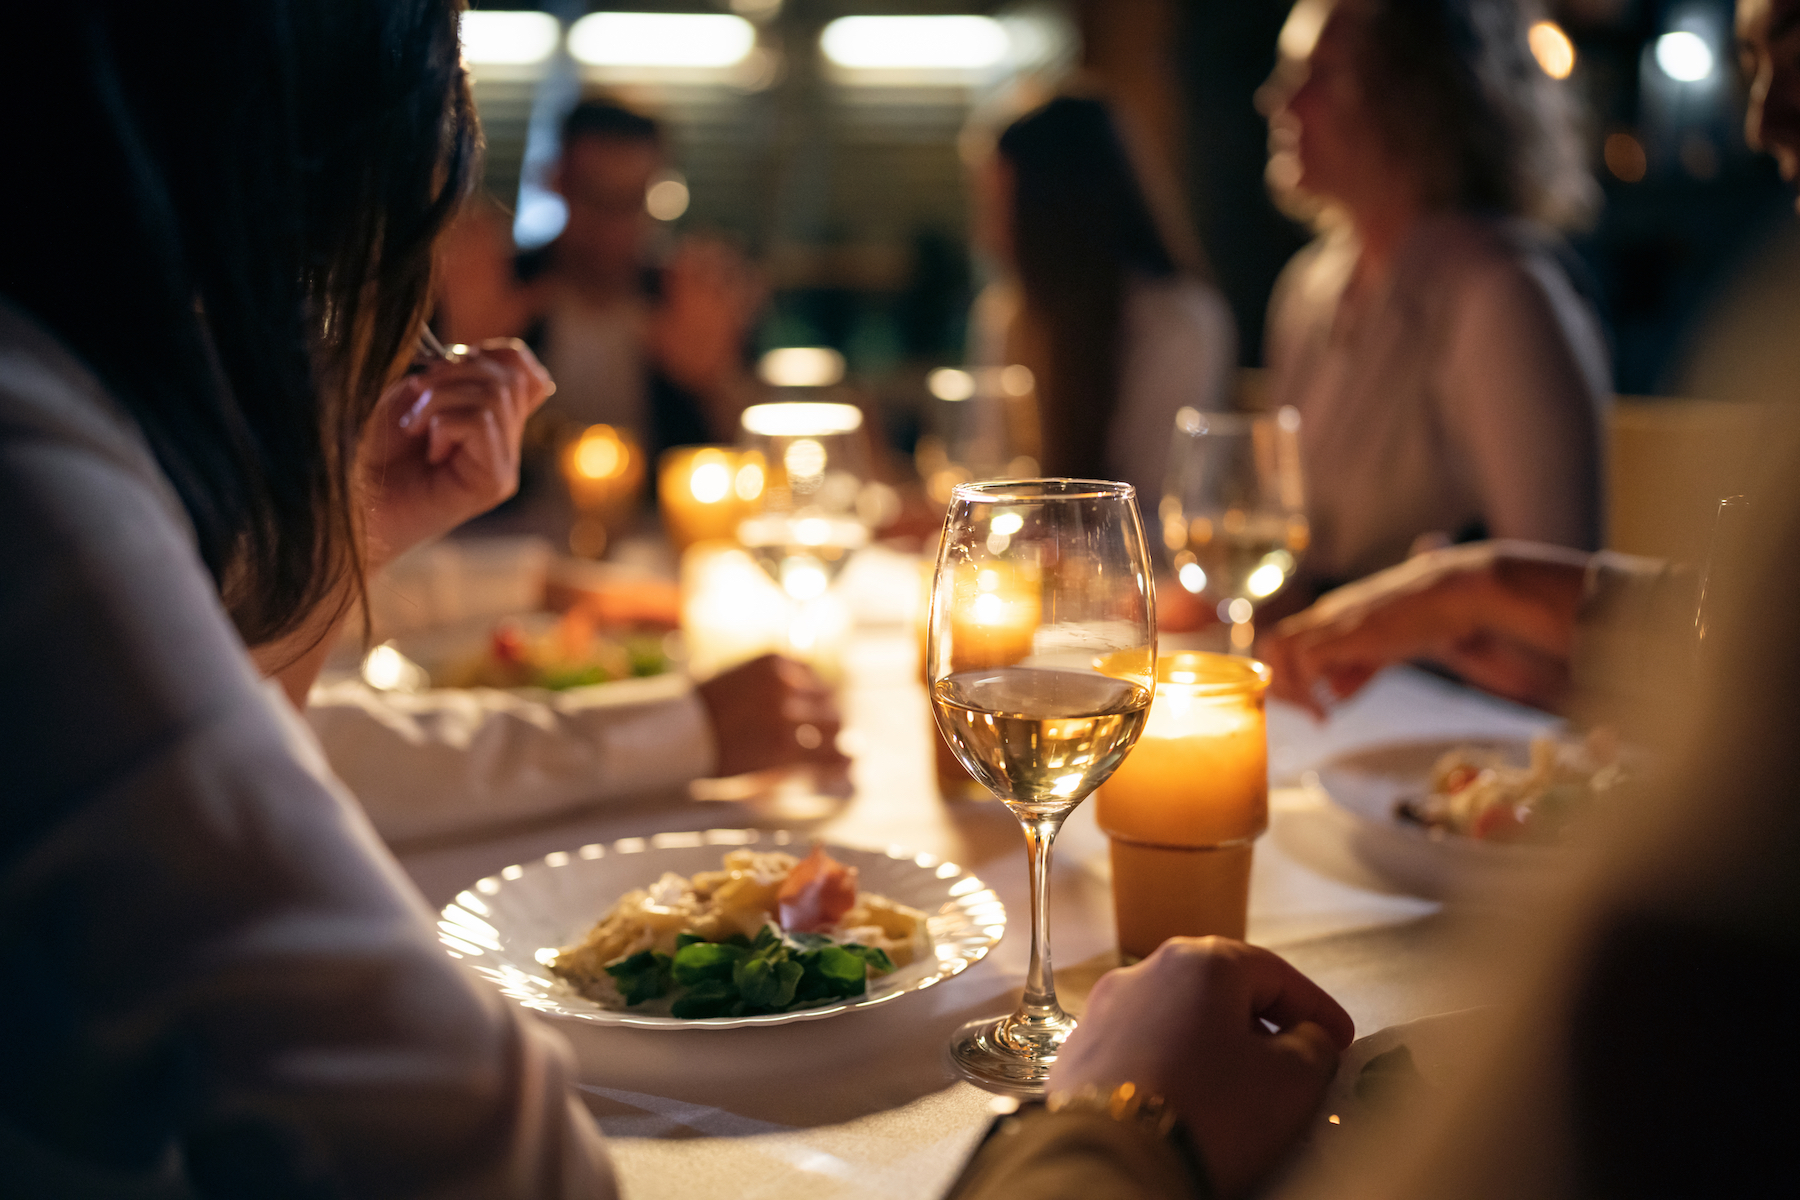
1475, 793
766, 934
574, 652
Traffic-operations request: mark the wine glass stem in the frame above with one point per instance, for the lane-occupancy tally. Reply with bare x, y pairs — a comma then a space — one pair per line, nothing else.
1039, 1001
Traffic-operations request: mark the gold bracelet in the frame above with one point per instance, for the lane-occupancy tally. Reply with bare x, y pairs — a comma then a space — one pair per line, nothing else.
1127, 1103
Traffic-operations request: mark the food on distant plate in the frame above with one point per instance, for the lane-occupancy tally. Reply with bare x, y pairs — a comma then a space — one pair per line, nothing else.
574, 652
1476, 794
769, 933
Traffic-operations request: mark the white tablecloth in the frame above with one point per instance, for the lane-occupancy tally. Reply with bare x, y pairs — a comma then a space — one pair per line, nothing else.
865, 1104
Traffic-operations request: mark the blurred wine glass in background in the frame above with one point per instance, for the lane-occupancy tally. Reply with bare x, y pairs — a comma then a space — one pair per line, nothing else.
1233, 511
812, 515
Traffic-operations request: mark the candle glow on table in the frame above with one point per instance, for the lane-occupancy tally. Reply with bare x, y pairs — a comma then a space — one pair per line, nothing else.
604, 469
1188, 801
705, 492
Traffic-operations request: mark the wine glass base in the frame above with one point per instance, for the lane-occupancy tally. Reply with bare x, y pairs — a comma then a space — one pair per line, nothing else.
1011, 1054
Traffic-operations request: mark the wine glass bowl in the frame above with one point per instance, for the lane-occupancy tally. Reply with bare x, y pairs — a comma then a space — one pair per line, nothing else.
1233, 512
811, 513
1041, 660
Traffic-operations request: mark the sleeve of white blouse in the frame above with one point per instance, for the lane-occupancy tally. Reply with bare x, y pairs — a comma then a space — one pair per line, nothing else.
213, 978
438, 761
1524, 395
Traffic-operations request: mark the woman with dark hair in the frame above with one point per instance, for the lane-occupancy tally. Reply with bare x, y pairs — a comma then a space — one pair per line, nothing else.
1118, 332
1450, 377
215, 981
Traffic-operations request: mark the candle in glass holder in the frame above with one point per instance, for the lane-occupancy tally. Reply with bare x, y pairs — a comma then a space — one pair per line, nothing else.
1184, 808
996, 629
705, 492
604, 469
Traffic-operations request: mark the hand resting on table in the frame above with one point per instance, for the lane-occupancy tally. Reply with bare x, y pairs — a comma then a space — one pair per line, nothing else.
772, 712
1500, 614
1187, 1024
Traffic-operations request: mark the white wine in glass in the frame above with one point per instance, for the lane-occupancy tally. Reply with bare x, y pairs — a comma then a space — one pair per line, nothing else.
1041, 659
1234, 510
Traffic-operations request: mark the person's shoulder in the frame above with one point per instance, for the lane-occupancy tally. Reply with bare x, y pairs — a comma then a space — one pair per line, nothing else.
1314, 277
46, 392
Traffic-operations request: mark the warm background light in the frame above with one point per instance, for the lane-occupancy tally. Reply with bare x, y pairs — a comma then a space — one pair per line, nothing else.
948, 383
1625, 157
1552, 48
508, 38
801, 366
625, 39
667, 198
915, 43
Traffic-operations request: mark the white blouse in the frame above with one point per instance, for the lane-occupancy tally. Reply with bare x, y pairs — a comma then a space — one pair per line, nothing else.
210, 968
1466, 389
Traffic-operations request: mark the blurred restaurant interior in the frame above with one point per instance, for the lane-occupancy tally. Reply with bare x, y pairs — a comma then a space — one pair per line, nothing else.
841, 171
512, 627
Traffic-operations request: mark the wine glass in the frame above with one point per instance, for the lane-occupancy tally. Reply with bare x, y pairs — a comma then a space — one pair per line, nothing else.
1234, 510
1041, 659
811, 516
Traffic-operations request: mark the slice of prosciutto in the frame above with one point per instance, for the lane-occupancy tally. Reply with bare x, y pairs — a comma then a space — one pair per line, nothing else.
816, 894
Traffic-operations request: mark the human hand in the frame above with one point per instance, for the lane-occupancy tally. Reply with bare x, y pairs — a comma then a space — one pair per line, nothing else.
1186, 1024
443, 444
1500, 614
772, 712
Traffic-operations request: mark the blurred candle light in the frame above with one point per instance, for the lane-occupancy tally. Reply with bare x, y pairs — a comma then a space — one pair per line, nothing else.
603, 469
700, 490
1552, 48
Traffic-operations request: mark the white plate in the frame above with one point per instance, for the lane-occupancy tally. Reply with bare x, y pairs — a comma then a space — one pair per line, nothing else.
499, 924
1365, 785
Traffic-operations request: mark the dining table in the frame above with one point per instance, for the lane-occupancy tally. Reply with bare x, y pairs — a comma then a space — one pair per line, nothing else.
865, 1103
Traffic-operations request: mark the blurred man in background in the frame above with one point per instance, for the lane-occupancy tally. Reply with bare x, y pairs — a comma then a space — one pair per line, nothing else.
654, 349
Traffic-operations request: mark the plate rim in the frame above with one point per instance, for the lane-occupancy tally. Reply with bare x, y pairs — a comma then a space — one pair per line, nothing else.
465, 950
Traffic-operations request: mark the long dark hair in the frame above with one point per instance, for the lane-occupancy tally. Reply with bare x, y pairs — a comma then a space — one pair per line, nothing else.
227, 211
1081, 230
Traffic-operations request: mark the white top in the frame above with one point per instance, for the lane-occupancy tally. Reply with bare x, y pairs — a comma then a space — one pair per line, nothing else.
213, 968
1179, 350
1468, 387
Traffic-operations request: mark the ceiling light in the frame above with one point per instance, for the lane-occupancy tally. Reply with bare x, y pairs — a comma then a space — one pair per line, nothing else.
622, 39
915, 43
493, 37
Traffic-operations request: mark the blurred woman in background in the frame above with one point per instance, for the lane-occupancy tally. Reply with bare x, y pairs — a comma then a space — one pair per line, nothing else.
1118, 332
1450, 377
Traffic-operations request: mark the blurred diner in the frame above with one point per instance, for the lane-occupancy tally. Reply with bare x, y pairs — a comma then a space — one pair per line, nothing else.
1118, 332
1436, 337
639, 335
